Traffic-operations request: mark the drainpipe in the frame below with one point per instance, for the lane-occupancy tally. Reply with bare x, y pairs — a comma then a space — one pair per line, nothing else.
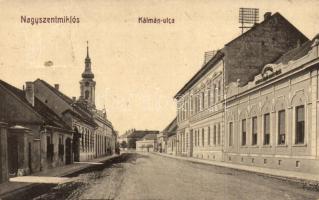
225, 106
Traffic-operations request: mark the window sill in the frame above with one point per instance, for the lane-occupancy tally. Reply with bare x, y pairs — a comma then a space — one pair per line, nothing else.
282, 145
254, 146
299, 145
266, 146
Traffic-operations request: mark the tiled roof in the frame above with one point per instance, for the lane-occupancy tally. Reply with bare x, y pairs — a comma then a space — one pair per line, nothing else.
220, 53
48, 116
150, 136
79, 111
171, 128
138, 134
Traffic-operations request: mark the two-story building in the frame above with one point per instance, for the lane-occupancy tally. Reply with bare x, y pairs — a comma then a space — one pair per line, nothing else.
201, 101
273, 120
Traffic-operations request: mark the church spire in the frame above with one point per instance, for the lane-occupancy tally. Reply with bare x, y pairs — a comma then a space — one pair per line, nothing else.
87, 50
87, 71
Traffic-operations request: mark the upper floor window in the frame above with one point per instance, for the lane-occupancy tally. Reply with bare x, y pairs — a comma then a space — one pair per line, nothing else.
281, 127
300, 125
267, 129
214, 93
208, 97
203, 101
243, 132
219, 90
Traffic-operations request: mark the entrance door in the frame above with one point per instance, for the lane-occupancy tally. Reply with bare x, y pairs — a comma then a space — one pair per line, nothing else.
13, 155
29, 157
68, 151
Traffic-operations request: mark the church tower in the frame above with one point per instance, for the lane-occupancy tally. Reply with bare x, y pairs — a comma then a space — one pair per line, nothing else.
87, 84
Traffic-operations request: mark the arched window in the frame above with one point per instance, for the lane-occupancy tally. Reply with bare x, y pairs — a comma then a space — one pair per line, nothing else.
87, 94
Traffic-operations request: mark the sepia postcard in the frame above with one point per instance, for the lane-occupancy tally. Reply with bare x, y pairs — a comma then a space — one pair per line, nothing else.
159, 99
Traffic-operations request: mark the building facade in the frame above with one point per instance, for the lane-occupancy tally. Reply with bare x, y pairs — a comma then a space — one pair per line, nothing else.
273, 120
201, 102
4, 171
37, 139
148, 143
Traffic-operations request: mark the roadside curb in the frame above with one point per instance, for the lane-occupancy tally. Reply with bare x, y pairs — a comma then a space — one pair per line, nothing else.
311, 184
28, 186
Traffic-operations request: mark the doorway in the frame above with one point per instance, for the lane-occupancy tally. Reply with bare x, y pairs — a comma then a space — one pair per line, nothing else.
68, 151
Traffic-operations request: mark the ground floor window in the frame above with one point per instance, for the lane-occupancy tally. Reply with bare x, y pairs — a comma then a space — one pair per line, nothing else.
267, 129
300, 124
281, 127
243, 136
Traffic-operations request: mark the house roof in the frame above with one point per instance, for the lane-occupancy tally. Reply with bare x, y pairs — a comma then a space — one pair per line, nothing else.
150, 136
275, 15
209, 65
220, 54
297, 52
47, 115
171, 128
138, 134
79, 111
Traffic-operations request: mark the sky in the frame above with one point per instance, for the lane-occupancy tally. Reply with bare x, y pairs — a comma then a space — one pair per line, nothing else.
138, 67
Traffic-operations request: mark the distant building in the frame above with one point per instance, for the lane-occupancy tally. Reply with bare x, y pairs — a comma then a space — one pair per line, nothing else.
147, 143
37, 138
134, 135
163, 136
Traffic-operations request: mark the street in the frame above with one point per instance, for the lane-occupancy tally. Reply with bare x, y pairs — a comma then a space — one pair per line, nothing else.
151, 176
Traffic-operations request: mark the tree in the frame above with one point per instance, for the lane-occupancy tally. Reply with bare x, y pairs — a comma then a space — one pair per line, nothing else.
132, 143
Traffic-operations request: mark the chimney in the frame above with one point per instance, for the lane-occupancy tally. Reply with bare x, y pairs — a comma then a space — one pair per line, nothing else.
29, 92
74, 99
56, 86
267, 15
208, 55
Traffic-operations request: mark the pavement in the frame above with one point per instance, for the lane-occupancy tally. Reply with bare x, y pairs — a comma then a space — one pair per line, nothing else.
52, 176
290, 175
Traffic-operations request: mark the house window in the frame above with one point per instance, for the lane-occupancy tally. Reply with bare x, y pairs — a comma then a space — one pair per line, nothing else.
243, 136
203, 101
50, 149
300, 125
219, 90
218, 138
281, 127
214, 138
203, 137
214, 93
230, 134
267, 129
254, 131
195, 140
208, 97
